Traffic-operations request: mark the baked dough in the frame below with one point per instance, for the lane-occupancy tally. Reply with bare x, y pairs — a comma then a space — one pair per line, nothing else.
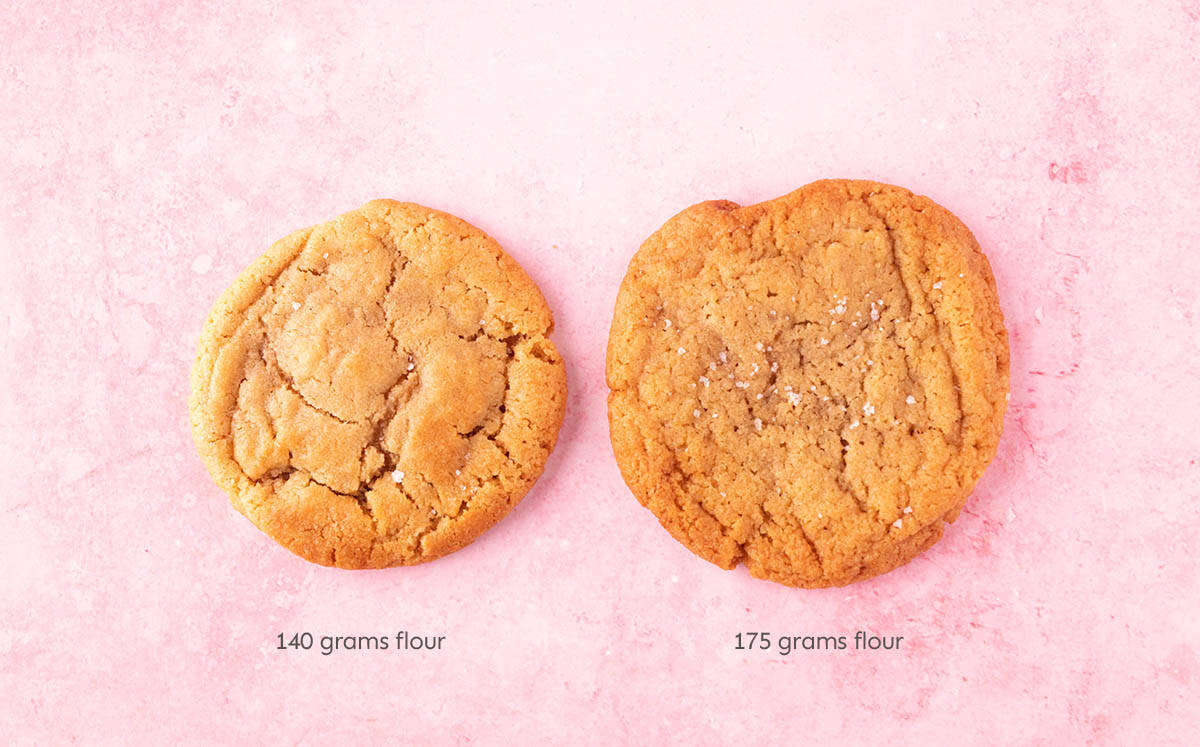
380, 389
812, 385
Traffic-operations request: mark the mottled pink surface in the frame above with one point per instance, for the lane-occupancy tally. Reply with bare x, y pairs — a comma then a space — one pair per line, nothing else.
152, 151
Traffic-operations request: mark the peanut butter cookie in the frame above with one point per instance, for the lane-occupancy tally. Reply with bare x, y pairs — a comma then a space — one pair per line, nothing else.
810, 386
378, 390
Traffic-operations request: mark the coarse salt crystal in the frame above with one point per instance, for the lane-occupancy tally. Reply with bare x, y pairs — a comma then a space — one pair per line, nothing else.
908, 509
682, 351
758, 346
868, 409
854, 424
824, 341
397, 476
910, 400
897, 523
758, 424
794, 398
295, 306
937, 285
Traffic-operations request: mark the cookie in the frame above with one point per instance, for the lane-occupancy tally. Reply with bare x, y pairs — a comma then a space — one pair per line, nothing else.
378, 390
810, 386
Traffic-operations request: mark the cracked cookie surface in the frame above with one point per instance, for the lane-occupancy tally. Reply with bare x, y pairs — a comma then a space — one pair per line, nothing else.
380, 389
812, 385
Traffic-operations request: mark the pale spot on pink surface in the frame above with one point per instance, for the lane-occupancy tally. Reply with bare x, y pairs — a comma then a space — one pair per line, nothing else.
202, 264
154, 152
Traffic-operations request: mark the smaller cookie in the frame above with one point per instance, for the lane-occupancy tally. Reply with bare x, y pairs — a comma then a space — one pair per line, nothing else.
378, 390
812, 385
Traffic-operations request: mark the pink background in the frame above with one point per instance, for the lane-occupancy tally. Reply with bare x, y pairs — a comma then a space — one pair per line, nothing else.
152, 151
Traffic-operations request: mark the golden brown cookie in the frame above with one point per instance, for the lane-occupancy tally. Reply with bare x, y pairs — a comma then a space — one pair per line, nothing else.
378, 390
812, 385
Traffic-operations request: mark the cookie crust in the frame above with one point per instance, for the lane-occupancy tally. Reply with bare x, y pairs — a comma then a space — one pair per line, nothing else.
812, 385
378, 390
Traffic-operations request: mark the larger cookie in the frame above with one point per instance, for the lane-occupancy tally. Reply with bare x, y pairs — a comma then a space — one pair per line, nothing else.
380, 389
812, 385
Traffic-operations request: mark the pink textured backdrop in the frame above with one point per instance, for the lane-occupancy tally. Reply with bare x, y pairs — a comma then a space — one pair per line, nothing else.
151, 151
